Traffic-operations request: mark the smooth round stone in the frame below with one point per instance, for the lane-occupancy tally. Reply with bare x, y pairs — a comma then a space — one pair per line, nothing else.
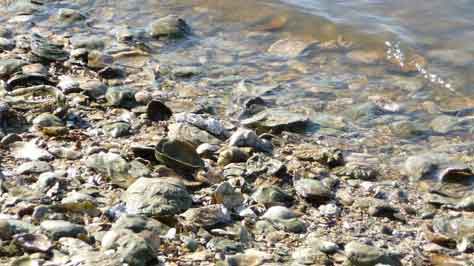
35, 69
117, 129
271, 196
47, 120
58, 228
94, 89
359, 254
5, 230
34, 167
312, 189
279, 212
169, 26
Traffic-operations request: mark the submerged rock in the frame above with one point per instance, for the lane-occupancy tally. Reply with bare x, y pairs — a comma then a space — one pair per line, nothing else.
169, 26
277, 120
45, 50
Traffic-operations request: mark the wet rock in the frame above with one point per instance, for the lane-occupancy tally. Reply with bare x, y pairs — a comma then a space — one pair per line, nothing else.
5, 231
329, 210
9, 139
228, 196
68, 85
364, 112
331, 157
207, 217
156, 197
116, 168
250, 257
44, 50
116, 129
232, 155
207, 150
438, 167
178, 155
444, 124
130, 248
98, 60
260, 164
33, 242
359, 254
69, 15
169, 26
94, 89
449, 231
47, 120
271, 196
365, 57
185, 71
192, 134
7, 44
33, 167
158, 111
58, 228
68, 153
10, 66
88, 42
120, 97
79, 203
312, 190
357, 171
277, 120
310, 256
207, 123
288, 47
279, 213
248, 138
384, 210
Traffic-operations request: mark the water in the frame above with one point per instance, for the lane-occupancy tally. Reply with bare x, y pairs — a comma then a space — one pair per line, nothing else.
369, 106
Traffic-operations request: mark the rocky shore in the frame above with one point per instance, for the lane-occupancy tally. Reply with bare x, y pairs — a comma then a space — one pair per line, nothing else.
110, 158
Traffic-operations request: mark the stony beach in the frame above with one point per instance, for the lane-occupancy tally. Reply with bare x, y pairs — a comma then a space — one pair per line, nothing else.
166, 143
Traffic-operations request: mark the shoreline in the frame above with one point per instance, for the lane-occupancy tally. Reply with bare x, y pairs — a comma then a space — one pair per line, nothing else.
157, 147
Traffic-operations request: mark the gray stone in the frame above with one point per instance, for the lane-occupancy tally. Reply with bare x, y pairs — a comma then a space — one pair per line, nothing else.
47, 120
10, 66
359, 254
120, 97
58, 228
33, 167
192, 134
169, 26
156, 197
271, 196
116, 129
313, 190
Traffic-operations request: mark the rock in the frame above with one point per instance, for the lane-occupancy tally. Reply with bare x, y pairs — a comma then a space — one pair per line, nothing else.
116, 168
69, 15
33, 242
33, 167
58, 228
292, 225
116, 129
156, 197
466, 244
207, 123
98, 60
279, 213
207, 217
288, 48
438, 167
178, 155
80, 203
271, 196
69, 85
228, 196
383, 210
251, 257
277, 120
68, 153
207, 150
359, 254
192, 134
7, 44
120, 97
444, 124
310, 256
88, 42
185, 71
315, 241
248, 138
47, 51
364, 113
260, 164
312, 190
131, 248
331, 157
47, 120
138, 223
158, 111
329, 210
232, 155
365, 57
29, 151
94, 89
169, 26
357, 171
5, 230
10, 66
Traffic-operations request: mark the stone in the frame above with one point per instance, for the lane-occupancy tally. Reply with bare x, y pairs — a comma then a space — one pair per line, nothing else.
130, 248
192, 134
278, 213
288, 47
207, 216
5, 230
277, 120
204, 122
178, 155
312, 190
33, 242
170, 26
116, 129
120, 97
156, 197
232, 155
271, 196
69, 15
47, 120
228, 196
58, 228
94, 89
10, 66
310, 256
158, 111
33, 167
248, 138
29, 151
45, 50
359, 254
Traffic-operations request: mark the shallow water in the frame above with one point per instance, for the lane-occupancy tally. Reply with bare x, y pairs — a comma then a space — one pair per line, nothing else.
369, 106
